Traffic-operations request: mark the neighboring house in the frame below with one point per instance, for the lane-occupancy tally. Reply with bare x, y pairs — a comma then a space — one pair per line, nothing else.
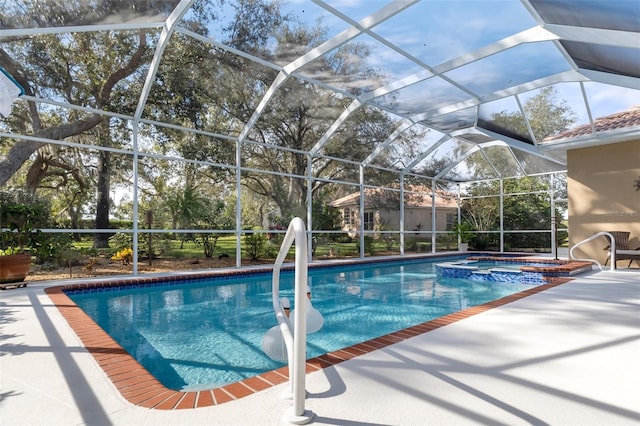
382, 210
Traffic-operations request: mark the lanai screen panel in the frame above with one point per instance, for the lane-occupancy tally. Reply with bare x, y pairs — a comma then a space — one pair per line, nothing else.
406, 57
276, 104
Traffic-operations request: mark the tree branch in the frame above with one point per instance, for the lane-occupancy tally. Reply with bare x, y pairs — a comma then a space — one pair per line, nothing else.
22, 150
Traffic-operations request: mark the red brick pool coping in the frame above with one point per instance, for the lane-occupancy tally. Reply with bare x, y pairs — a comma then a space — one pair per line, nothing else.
140, 388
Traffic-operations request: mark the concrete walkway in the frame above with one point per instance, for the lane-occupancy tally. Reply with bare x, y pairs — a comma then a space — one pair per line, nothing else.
566, 356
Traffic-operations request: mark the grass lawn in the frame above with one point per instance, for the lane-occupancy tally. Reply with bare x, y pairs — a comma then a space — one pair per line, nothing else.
226, 244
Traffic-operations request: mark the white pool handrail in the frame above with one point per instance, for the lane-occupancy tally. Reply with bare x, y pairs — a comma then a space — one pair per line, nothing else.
296, 343
612, 251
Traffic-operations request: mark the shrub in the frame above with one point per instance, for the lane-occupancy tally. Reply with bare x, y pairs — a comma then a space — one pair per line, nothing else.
480, 242
411, 244
255, 245
124, 255
51, 247
209, 242
121, 241
160, 244
368, 245
23, 214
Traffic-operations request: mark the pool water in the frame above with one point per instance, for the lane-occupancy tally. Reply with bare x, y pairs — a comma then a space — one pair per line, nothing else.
208, 333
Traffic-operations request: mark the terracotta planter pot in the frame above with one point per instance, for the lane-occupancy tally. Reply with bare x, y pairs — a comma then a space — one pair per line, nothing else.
14, 268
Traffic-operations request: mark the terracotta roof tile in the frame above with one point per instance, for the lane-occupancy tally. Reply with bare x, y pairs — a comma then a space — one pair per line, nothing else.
619, 120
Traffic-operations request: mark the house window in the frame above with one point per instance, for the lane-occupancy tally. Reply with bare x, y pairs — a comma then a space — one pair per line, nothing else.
368, 221
346, 216
451, 220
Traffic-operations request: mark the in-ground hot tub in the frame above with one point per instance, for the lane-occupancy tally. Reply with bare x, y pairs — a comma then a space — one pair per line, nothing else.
527, 270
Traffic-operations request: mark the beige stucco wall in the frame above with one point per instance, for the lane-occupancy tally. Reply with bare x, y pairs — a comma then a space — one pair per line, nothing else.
413, 217
602, 194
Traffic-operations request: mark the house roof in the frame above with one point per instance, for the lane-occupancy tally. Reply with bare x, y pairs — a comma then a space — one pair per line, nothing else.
413, 197
620, 120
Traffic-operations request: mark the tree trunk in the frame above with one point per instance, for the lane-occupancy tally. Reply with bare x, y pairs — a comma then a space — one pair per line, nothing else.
101, 240
74, 216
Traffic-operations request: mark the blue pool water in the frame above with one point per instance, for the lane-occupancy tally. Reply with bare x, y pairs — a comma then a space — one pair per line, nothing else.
206, 334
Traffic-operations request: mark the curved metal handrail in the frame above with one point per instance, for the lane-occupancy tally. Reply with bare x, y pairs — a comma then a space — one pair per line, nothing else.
296, 343
593, 237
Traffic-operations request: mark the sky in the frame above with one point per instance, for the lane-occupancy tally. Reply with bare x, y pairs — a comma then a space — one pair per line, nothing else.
437, 31
433, 32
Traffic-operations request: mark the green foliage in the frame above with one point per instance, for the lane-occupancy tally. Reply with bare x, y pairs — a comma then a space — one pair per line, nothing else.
255, 244
547, 116
342, 238
270, 250
92, 69
482, 210
526, 206
91, 224
530, 211
72, 257
562, 238
447, 240
51, 247
463, 230
411, 243
369, 246
209, 244
192, 209
23, 214
10, 251
389, 239
482, 241
325, 217
190, 250
121, 240
160, 244
424, 247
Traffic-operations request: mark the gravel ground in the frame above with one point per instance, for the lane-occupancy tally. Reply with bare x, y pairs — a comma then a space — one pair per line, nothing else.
106, 267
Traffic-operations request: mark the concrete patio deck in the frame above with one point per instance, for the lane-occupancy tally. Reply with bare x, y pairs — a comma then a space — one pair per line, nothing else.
565, 356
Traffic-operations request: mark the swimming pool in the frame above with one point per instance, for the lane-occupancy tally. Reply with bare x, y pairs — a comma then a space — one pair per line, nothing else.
208, 332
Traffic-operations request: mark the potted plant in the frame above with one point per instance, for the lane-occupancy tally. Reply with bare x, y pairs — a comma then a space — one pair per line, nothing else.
14, 267
464, 232
18, 219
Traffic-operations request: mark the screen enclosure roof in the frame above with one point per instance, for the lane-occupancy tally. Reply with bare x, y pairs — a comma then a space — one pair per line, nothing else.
461, 77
